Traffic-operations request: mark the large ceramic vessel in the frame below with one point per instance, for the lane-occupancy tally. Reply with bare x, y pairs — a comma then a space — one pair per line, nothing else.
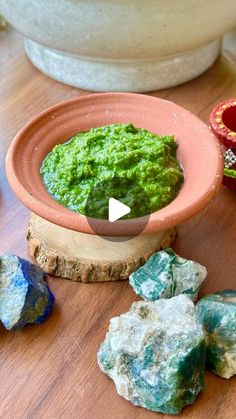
121, 44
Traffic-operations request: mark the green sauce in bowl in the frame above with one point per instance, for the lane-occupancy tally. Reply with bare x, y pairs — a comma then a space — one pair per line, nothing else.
130, 164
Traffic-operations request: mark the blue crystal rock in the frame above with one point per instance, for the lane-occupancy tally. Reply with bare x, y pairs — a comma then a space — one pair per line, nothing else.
217, 312
24, 294
166, 274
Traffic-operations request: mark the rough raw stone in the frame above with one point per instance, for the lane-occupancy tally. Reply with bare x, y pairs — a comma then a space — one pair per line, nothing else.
155, 353
3, 23
217, 312
166, 274
24, 294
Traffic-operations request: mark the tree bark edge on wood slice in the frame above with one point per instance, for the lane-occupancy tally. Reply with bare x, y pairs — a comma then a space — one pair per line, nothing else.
105, 260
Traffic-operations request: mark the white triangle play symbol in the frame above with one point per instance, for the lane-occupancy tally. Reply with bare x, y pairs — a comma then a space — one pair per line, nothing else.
117, 210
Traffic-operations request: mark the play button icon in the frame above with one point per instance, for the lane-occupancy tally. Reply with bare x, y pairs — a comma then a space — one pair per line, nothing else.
117, 210
115, 201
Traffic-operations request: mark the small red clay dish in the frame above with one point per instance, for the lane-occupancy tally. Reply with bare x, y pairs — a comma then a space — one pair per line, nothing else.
199, 153
223, 124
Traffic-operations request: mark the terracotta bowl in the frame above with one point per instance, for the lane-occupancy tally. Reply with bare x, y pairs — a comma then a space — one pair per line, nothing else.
199, 153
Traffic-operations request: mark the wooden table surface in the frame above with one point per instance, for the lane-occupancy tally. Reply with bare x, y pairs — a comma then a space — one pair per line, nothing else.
50, 371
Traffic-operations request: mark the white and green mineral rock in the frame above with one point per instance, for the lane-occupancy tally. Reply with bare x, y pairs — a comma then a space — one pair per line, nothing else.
166, 274
217, 312
155, 353
2, 23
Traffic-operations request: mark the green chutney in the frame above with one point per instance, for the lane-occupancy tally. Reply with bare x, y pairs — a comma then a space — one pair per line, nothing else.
130, 164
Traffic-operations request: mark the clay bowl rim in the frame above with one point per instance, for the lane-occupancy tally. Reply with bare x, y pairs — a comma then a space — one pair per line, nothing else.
76, 222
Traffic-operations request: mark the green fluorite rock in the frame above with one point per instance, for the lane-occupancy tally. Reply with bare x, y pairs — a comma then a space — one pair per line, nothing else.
217, 312
155, 353
165, 275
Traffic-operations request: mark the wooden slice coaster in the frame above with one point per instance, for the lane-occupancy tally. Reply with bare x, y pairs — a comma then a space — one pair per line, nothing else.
90, 258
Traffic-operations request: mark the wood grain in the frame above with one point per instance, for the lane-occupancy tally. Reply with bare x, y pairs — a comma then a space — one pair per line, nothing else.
50, 371
90, 258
